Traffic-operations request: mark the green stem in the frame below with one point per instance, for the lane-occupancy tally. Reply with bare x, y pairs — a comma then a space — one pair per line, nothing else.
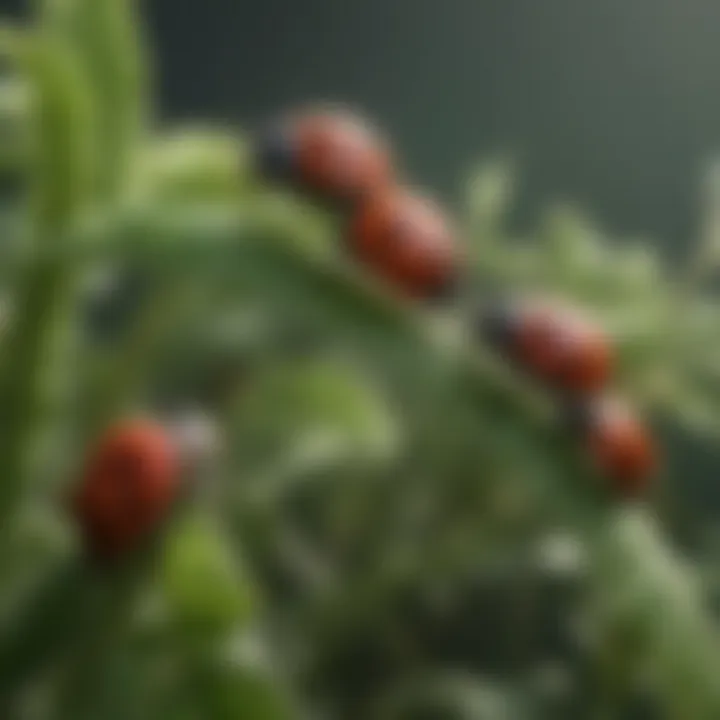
34, 376
128, 373
45, 627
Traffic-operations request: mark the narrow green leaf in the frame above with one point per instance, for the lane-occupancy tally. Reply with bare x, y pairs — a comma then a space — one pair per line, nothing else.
35, 375
104, 37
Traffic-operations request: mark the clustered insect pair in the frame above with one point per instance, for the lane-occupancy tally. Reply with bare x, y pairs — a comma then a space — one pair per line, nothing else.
134, 475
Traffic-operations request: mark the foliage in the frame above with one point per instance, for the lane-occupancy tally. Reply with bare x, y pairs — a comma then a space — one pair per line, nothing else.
384, 478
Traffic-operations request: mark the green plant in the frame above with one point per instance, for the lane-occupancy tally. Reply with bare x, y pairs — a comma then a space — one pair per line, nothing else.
371, 497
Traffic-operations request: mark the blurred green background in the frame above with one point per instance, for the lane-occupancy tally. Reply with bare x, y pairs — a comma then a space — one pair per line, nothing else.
391, 532
611, 104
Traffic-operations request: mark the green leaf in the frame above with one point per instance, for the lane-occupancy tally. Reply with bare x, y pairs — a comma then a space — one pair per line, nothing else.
237, 690
104, 37
192, 164
205, 585
323, 412
490, 193
15, 122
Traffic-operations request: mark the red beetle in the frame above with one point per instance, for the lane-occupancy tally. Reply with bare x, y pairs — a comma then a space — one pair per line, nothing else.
331, 153
407, 240
553, 343
619, 444
128, 486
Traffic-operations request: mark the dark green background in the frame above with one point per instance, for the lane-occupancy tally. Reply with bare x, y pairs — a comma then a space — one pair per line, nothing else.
614, 104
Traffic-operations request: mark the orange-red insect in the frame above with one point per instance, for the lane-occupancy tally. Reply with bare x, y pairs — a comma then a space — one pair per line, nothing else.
553, 343
331, 153
619, 444
407, 240
128, 486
